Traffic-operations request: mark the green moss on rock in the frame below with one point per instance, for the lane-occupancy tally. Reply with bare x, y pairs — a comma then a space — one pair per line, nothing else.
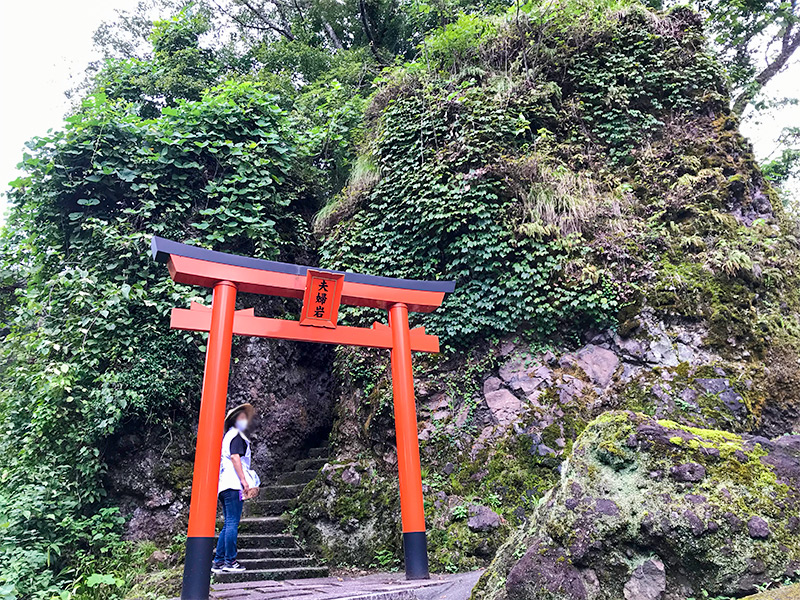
789, 592
566, 199
349, 514
716, 511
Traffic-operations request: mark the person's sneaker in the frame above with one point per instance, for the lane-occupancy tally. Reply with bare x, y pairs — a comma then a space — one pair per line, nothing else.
234, 566
217, 567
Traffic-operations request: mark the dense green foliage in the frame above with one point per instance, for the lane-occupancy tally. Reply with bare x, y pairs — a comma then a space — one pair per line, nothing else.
449, 221
473, 156
757, 40
180, 68
786, 165
84, 308
87, 349
571, 171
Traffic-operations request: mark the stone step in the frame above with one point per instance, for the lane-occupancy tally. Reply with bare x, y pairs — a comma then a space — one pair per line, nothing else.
310, 463
261, 553
262, 525
271, 574
269, 540
281, 492
264, 550
318, 452
266, 508
257, 564
297, 477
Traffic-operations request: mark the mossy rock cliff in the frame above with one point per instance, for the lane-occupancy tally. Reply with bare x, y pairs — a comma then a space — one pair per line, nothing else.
614, 245
791, 592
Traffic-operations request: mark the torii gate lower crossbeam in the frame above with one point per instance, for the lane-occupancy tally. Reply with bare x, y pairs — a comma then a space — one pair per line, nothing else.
322, 291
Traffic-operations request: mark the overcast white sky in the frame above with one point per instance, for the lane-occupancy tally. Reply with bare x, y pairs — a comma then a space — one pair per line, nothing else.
45, 45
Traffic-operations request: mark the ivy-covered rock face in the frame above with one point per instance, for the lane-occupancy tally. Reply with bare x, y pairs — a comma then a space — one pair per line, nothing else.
648, 509
560, 173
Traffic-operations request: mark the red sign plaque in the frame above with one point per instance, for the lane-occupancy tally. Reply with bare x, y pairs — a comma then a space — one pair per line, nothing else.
321, 299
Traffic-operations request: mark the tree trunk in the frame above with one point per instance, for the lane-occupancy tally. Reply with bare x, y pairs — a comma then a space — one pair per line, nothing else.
267, 22
337, 43
788, 47
365, 22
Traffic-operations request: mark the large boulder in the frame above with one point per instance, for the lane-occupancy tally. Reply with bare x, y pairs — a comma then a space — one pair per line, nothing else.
350, 514
652, 510
653, 274
791, 592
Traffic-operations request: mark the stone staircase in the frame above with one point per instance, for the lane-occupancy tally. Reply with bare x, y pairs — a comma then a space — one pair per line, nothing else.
265, 549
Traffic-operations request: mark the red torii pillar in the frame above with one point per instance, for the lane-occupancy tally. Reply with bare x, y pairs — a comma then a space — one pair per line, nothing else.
322, 292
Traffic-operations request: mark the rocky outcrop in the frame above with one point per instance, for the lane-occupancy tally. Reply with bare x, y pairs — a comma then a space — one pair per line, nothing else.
501, 433
150, 465
652, 510
791, 592
290, 386
149, 477
482, 518
350, 514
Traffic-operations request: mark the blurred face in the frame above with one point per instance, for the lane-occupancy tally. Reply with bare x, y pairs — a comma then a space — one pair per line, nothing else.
242, 423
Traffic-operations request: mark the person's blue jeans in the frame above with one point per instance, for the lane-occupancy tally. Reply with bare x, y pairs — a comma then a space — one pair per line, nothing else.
232, 513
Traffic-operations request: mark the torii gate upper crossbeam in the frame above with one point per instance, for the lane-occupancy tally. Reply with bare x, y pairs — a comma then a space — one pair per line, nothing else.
198, 266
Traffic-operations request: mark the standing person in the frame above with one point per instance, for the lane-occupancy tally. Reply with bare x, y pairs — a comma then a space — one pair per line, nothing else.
236, 482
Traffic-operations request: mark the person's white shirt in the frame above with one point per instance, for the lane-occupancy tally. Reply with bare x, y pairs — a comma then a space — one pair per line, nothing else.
228, 479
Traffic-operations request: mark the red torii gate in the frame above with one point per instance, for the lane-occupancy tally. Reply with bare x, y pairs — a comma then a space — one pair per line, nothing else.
322, 292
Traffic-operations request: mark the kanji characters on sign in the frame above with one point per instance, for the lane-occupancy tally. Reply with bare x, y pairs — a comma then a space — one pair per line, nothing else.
321, 299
